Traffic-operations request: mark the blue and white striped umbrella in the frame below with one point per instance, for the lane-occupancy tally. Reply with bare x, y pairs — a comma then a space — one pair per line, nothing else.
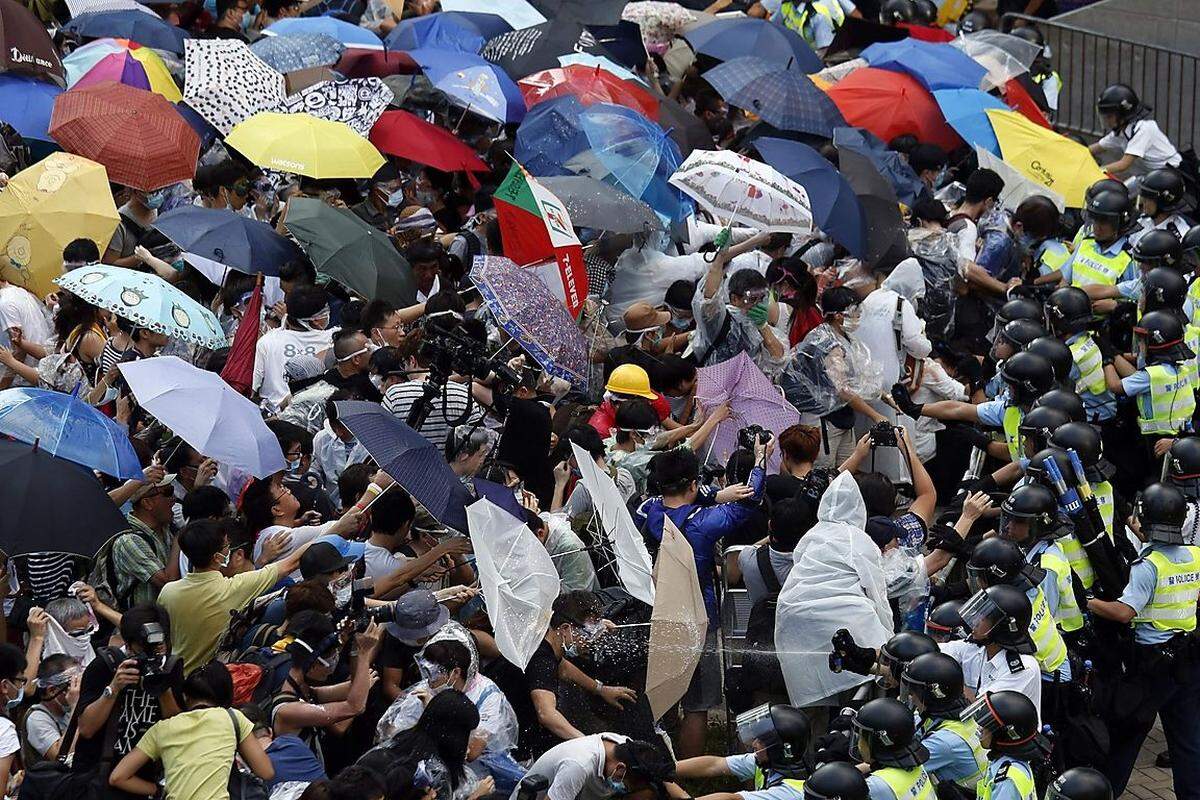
292, 51
785, 98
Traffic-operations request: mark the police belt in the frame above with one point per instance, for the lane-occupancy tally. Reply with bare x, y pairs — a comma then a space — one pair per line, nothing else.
1167, 655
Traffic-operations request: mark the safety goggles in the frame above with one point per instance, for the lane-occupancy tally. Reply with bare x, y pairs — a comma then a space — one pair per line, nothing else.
983, 714
321, 316
366, 349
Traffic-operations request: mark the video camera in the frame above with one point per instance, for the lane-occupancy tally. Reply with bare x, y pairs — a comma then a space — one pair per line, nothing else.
449, 350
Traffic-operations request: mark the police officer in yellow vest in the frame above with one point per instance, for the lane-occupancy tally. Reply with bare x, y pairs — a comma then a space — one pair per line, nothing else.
1088, 444
1154, 250
1069, 312
1009, 729
815, 20
777, 737
932, 686
1191, 306
1162, 676
1100, 259
1102, 185
1183, 472
884, 736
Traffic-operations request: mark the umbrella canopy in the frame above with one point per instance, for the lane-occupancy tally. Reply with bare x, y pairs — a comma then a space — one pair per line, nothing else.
472, 83
732, 37
1019, 98
205, 412
594, 204
678, 625
935, 66
141, 72
228, 238
405, 135
360, 257
905, 183
226, 83
835, 208
885, 228
1003, 56
336, 29
525, 51
359, 63
785, 98
1045, 157
518, 578
589, 12
36, 520
733, 188
856, 33
659, 21
966, 111
685, 128
137, 135
43, 209
447, 30
517, 13
25, 47
290, 52
1016, 186
603, 62
148, 30
238, 371
529, 313
26, 104
305, 145
889, 104
207, 133
357, 103
752, 398
590, 85
79, 7
65, 426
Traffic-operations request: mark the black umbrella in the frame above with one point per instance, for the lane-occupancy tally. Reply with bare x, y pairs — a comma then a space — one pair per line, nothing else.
25, 47
623, 42
685, 128
885, 228
589, 12
855, 34
529, 50
52, 505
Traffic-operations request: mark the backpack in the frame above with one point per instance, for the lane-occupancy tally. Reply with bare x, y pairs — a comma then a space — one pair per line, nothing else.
104, 571
258, 675
246, 624
760, 665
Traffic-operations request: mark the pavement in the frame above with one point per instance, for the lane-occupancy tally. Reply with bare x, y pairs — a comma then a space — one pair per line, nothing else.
1150, 782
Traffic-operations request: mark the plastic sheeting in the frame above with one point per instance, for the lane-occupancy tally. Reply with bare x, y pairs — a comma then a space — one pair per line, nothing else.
937, 251
837, 582
907, 581
822, 364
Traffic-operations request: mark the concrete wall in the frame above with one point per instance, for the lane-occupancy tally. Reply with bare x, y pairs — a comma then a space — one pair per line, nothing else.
1174, 24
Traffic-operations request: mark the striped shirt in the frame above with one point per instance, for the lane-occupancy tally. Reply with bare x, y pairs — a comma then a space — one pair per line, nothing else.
445, 411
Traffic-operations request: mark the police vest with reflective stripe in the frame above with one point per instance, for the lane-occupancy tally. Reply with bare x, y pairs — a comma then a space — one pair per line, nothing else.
1068, 615
969, 733
797, 18
1008, 770
1172, 400
1051, 649
1191, 332
1091, 266
1012, 432
907, 784
1090, 364
1053, 258
760, 781
1172, 607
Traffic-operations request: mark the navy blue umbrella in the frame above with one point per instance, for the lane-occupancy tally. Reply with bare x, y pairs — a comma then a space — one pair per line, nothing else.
785, 98
888, 163
728, 38
148, 30
228, 238
447, 30
199, 124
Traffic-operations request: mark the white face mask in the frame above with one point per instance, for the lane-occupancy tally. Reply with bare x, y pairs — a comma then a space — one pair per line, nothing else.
377, 382
342, 589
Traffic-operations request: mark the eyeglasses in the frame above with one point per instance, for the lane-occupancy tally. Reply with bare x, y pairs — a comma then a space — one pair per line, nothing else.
291, 455
282, 493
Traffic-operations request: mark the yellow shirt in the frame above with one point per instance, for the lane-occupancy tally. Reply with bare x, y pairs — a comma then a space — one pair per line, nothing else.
199, 604
196, 751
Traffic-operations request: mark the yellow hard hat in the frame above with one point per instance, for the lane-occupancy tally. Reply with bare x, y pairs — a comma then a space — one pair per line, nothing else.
630, 379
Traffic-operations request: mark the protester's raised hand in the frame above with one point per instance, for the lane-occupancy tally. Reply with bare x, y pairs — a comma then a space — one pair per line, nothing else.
154, 473
84, 593
368, 641
734, 492
976, 505
617, 696
486, 786
562, 473
349, 522
455, 546
38, 621
275, 545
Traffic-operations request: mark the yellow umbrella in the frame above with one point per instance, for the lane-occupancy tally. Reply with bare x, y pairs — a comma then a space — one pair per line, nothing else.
157, 73
678, 623
305, 145
47, 206
1044, 156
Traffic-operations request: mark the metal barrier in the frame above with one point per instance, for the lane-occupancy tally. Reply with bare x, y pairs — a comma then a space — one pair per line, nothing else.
1166, 80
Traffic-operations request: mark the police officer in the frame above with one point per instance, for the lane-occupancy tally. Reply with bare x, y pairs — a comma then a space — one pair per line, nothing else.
1080, 783
999, 651
1069, 312
838, 780
1060, 357
1042, 71
1161, 676
1165, 288
1102, 185
1088, 444
1191, 306
1038, 425
1183, 472
1067, 402
1160, 198
883, 736
1154, 249
1009, 729
888, 663
1101, 259
932, 685
777, 737
815, 20
893, 12
945, 623
1010, 340
1132, 132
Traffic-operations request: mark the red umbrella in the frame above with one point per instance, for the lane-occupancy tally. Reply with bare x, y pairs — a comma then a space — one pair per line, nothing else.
889, 104
137, 135
1018, 99
25, 47
927, 33
239, 366
405, 135
590, 85
358, 62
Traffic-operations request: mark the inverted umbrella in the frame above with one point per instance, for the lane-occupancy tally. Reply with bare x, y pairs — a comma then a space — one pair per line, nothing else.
524, 51
148, 30
590, 85
594, 204
357, 255
205, 412
407, 136
678, 625
732, 37
226, 83
786, 98
752, 397
336, 29
518, 579
733, 188
1045, 157
358, 102
146, 300
26, 103
885, 228
293, 51
935, 66
966, 111
1017, 187
472, 83
889, 104
228, 238
65, 426
305, 145
25, 47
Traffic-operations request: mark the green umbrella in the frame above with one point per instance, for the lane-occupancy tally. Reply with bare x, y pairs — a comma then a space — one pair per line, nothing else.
351, 252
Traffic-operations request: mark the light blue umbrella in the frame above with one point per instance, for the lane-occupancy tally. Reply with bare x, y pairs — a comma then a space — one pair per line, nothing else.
66, 427
295, 51
344, 32
966, 111
472, 83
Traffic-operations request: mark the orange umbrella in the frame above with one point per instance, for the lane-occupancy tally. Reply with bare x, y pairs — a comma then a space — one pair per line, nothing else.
889, 104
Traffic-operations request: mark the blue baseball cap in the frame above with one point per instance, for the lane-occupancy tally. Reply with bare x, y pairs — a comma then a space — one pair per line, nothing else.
348, 548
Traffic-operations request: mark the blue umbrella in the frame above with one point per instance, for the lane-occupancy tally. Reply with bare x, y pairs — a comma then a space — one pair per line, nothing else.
68, 428
228, 238
966, 111
336, 29
550, 135
887, 162
294, 51
447, 30
935, 66
785, 98
472, 83
147, 30
728, 38
199, 124
26, 104
835, 207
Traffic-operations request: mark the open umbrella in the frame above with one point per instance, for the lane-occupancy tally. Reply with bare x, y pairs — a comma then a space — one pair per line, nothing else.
43, 209
84, 59
447, 30
293, 51
1018, 95
360, 257
38, 518
238, 371
1002, 55
517, 13
905, 184
889, 104
472, 83
206, 412
966, 111
69, 428
359, 63
26, 103
753, 400
1017, 187
524, 51
25, 47
146, 300
1045, 157
590, 85
336, 29
207, 133
405, 135
733, 188
137, 135
856, 33
124, 67
148, 30
594, 204
603, 62
660, 21
358, 102
228, 238
731, 37
226, 83
885, 228
589, 12
785, 98
678, 625
518, 579
685, 128
305, 145
935, 66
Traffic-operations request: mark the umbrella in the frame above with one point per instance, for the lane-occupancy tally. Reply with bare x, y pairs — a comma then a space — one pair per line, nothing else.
197, 123
785, 98
336, 29
148, 30
447, 30
238, 371
1016, 186
684, 127
732, 37
835, 208
226, 83
80, 7
46, 498
905, 183
966, 111
678, 625
527, 50
301, 79
733, 187
1002, 55
472, 83
228, 238
413, 461
854, 34
146, 300
589, 12
935, 66
136, 134
885, 228
659, 21
1045, 157
594, 204
290, 52
84, 58
360, 257
889, 104
621, 42
416, 92
533, 316
305, 145
1019, 98
205, 412
26, 104
43, 209
407, 136
147, 72
357, 103
359, 63
517, 13
518, 578
603, 62
752, 398
590, 85
65, 426
25, 47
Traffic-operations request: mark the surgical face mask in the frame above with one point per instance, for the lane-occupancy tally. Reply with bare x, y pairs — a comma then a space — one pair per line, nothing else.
248, 18
294, 464
15, 702
154, 200
680, 323
395, 199
225, 559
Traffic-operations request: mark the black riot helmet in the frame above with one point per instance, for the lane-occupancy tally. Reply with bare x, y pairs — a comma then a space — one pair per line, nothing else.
1191, 246
1020, 332
1030, 34
1011, 720
1069, 310
1183, 466
837, 780
1019, 308
884, 735
1104, 185
781, 732
1065, 401
1158, 248
901, 649
894, 11
1120, 101
1113, 207
1041, 421
1163, 288
1057, 353
1036, 469
925, 12
1080, 783
933, 684
1165, 187
999, 562
1160, 510
1087, 444
1032, 504
945, 623
1000, 615
1028, 375
973, 22
1162, 333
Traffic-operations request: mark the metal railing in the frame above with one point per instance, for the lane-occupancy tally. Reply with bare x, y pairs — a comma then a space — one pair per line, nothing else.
1166, 80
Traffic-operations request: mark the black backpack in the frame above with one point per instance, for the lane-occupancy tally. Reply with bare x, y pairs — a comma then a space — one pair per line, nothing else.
760, 665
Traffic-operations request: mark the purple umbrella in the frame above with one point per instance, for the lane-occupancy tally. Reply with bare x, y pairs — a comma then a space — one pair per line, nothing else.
752, 399
120, 67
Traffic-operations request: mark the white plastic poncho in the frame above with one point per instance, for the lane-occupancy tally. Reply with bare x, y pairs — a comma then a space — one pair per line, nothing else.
823, 364
837, 582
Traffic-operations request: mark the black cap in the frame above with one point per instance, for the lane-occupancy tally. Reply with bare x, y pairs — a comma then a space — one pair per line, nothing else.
322, 558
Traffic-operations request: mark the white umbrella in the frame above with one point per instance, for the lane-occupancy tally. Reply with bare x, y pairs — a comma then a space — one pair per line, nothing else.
518, 579
226, 83
205, 412
731, 186
633, 560
678, 623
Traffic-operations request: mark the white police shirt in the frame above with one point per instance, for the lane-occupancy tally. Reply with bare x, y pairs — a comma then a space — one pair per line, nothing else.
1004, 671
